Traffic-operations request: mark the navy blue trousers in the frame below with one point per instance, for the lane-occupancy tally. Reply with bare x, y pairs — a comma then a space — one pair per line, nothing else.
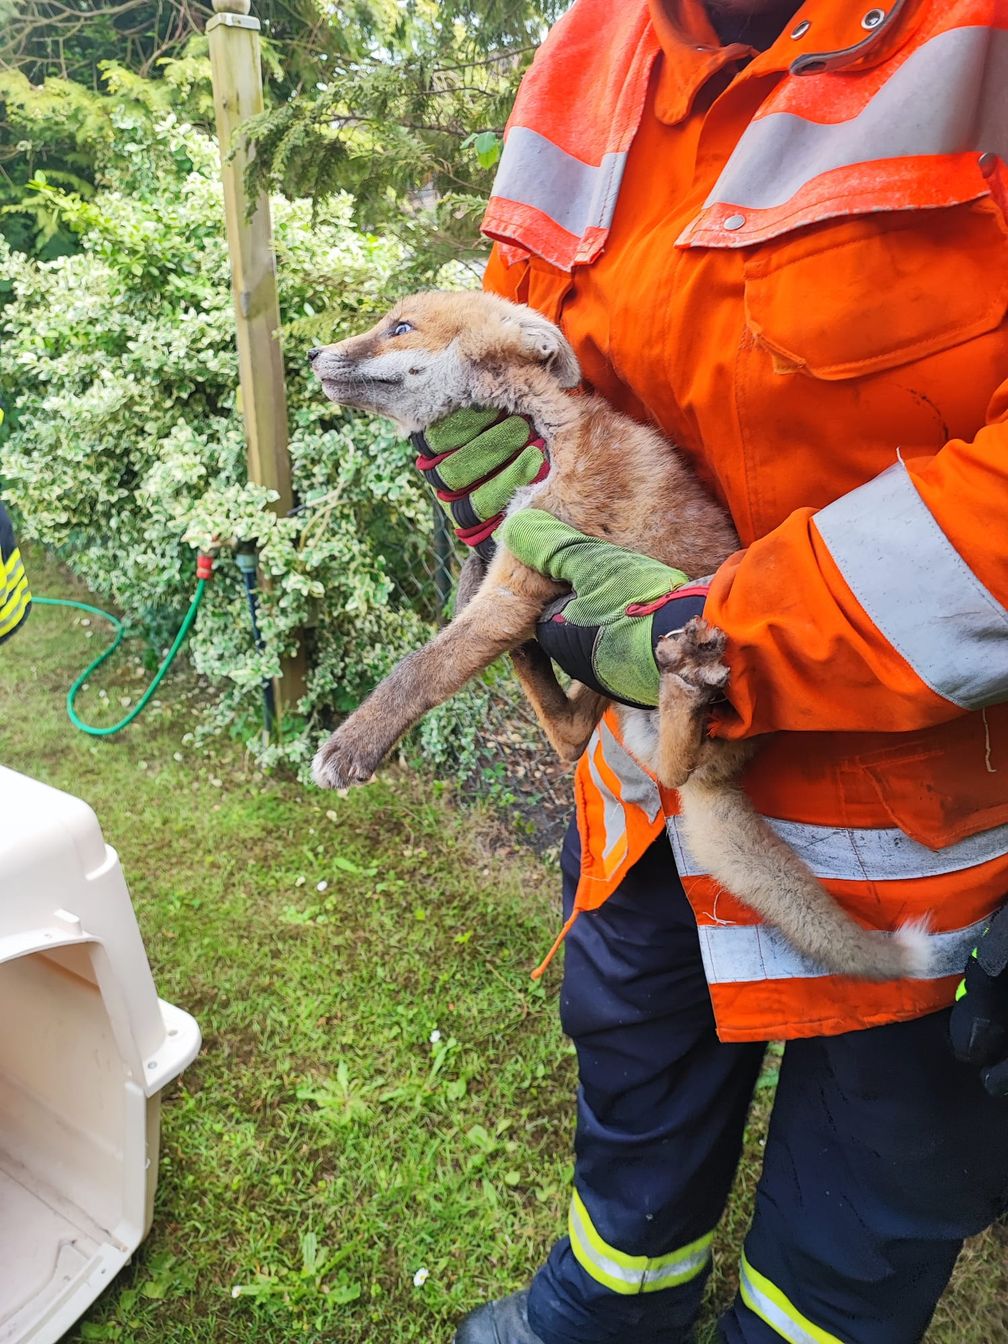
883, 1151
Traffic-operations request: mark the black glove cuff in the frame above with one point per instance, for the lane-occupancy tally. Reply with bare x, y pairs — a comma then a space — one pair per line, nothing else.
423, 451
568, 644
573, 647
675, 614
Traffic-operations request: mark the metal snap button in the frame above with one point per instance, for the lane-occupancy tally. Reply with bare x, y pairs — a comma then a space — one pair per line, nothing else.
987, 162
800, 29
734, 222
873, 18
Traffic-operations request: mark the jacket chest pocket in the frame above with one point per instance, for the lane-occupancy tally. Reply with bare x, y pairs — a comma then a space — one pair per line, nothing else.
546, 288
850, 299
940, 787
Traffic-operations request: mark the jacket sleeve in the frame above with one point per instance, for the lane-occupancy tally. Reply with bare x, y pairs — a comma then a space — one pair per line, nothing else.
886, 610
15, 598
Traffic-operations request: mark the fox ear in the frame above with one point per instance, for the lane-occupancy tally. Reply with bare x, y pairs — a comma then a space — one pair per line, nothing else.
547, 345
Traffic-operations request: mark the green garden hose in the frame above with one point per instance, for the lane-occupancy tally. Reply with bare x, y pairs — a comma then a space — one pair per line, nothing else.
159, 676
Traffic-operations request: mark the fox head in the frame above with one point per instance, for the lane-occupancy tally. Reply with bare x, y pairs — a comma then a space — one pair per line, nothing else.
437, 352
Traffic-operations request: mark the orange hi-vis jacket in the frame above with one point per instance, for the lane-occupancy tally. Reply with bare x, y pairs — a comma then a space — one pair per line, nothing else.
795, 262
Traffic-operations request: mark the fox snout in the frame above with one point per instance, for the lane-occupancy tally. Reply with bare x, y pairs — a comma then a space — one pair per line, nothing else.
376, 375
329, 363
436, 352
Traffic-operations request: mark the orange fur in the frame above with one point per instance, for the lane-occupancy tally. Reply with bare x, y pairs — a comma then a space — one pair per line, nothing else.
612, 478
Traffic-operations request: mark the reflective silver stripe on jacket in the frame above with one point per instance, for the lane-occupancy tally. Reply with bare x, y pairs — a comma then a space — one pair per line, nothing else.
636, 787
918, 590
576, 195
863, 853
736, 953
746, 952
613, 817
636, 784
950, 96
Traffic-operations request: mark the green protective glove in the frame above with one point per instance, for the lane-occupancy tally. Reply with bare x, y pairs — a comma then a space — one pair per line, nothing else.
475, 460
605, 630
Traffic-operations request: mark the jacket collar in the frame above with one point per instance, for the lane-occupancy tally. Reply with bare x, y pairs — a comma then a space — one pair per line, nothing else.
691, 55
824, 36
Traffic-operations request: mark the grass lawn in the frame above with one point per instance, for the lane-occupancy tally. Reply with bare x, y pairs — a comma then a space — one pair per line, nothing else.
323, 1148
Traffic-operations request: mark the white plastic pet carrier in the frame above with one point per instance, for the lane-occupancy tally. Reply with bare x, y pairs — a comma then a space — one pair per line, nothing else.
86, 1046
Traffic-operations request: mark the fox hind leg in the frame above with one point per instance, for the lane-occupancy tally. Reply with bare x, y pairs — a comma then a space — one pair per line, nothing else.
568, 718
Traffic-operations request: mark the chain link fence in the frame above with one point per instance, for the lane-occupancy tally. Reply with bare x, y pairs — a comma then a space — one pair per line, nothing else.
508, 759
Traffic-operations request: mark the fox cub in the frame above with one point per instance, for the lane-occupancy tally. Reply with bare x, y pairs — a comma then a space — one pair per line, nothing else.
612, 478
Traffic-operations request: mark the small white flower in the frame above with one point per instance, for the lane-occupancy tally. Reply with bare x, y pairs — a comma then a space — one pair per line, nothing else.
322, 886
435, 1036
236, 1291
177, 756
420, 1277
125, 700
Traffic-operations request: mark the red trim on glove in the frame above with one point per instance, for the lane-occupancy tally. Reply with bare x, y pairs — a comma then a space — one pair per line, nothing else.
472, 536
429, 463
544, 470
649, 608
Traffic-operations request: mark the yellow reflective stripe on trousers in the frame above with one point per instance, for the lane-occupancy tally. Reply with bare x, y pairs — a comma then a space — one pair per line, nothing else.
631, 1274
779, 1312
12, 578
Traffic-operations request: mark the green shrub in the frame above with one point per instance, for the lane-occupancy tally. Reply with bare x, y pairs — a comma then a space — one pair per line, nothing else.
124, 449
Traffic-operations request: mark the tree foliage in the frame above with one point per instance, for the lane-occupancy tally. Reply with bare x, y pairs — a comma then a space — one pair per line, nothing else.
401, 105
59, 58
122, 447
63, 135
124, 450
408, 121
73, 39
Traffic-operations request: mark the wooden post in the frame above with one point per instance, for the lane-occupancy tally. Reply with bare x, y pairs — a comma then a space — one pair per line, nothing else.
236, 73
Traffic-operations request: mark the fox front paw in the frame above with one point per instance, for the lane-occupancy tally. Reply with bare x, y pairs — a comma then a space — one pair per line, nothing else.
344, 760
693, 656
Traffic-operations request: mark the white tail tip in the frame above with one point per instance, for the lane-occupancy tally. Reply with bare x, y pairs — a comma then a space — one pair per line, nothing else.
914, 938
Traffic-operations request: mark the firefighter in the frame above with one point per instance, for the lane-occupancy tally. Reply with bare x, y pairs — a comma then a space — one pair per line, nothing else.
15, 596
780, 233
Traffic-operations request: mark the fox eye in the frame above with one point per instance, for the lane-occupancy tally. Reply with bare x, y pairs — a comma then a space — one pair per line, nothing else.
401, 328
